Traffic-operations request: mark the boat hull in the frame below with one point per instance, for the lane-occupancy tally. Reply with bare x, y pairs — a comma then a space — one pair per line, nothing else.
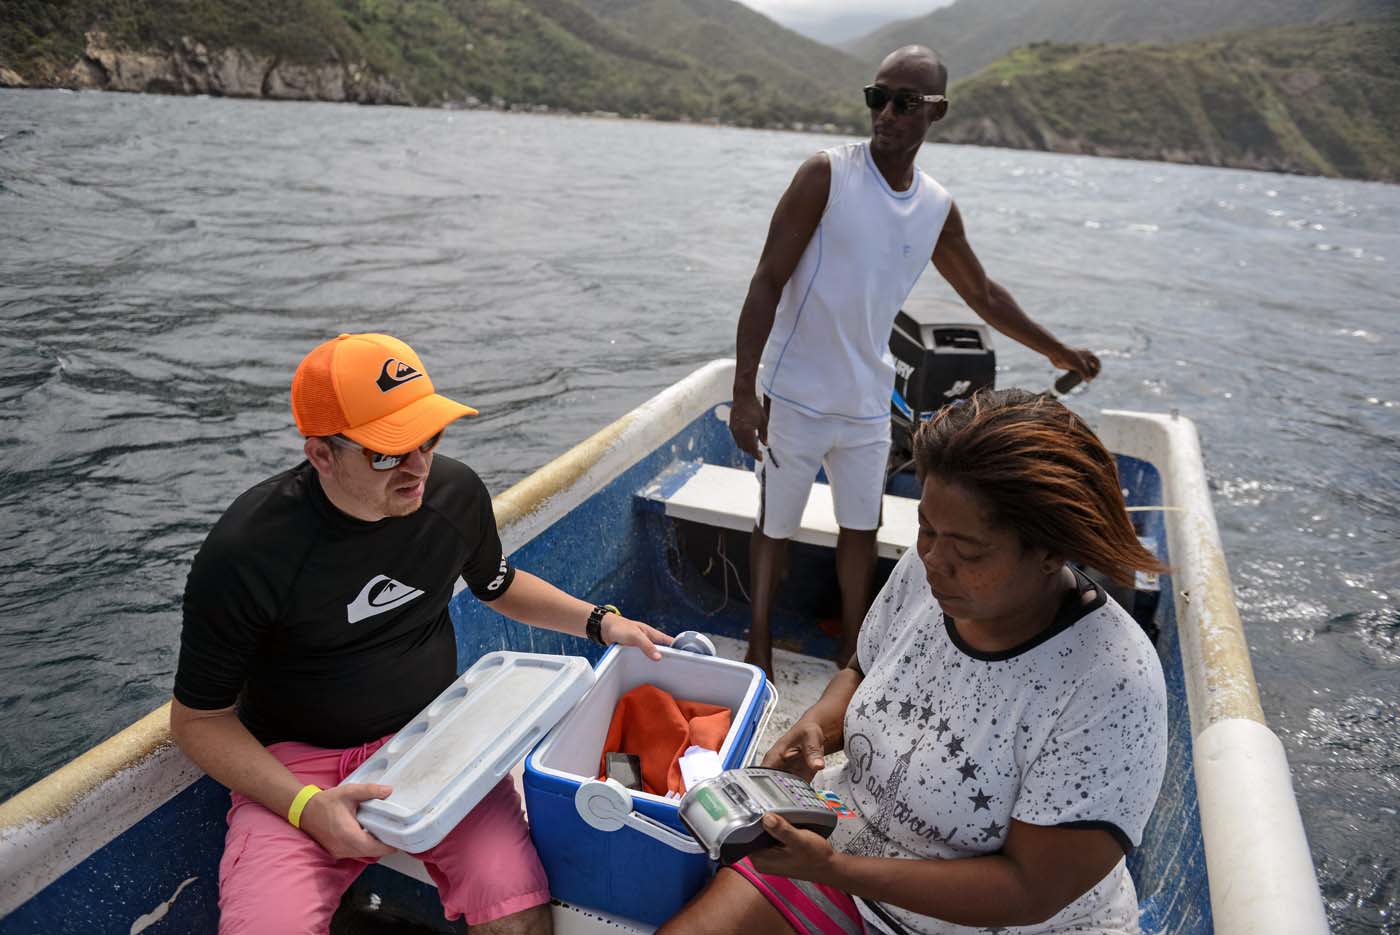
128, 837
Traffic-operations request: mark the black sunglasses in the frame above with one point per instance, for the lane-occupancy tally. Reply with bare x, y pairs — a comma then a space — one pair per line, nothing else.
905, 101
383, 462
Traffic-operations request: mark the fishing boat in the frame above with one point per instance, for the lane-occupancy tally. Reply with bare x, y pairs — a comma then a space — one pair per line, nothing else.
652, 513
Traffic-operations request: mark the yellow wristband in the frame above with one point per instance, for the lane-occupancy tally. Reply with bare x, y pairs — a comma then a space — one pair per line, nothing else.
299, 803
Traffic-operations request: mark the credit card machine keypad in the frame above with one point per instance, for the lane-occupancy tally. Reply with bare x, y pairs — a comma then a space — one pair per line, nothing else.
725, 812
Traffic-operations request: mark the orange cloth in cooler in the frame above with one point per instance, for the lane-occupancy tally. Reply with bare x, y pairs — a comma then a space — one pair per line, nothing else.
657, 729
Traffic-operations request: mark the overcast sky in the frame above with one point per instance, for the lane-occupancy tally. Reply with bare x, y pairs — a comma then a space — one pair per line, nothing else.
782, 10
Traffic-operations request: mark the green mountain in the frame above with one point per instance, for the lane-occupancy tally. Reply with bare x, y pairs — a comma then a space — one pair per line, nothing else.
971, 34
1322, 99
738, 41
536, 53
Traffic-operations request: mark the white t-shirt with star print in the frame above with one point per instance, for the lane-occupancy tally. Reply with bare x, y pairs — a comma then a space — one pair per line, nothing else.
945, 744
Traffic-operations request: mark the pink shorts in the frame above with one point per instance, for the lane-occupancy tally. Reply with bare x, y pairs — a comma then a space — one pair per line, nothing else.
274, 878
810, 908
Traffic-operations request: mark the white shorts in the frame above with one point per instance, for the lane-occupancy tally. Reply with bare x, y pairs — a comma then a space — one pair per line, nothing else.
853, 453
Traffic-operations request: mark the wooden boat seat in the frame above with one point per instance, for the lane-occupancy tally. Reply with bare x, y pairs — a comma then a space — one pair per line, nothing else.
728, 498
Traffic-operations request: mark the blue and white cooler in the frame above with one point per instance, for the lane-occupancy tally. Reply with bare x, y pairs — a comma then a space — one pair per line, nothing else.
620, 851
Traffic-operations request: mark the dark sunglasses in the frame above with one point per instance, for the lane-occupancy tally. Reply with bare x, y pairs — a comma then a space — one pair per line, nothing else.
381, 462
905, 101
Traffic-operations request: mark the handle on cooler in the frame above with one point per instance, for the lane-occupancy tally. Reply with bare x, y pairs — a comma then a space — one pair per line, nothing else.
693, 641
756, 754
607, 806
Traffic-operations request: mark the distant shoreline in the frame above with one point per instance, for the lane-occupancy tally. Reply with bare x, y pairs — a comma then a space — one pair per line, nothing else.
832, 130
524, 110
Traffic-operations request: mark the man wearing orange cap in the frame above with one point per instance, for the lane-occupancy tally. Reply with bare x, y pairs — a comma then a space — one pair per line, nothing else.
316, 625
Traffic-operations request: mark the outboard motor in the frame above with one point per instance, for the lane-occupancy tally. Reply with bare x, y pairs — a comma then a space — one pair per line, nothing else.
937, 360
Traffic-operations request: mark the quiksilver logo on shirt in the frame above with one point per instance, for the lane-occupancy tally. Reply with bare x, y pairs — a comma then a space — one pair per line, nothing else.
395, 373
381, 593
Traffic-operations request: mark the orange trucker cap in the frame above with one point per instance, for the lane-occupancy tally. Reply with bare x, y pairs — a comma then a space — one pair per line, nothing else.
372, 389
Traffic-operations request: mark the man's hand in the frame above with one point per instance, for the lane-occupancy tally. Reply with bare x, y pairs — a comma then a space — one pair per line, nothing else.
618, 629
748, 423
330, 819
1081, 360
799, 751
801, 855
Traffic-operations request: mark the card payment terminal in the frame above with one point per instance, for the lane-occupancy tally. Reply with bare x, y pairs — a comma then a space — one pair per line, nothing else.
725, 812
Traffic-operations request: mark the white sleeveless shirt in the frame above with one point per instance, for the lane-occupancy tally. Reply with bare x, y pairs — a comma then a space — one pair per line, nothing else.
828, 353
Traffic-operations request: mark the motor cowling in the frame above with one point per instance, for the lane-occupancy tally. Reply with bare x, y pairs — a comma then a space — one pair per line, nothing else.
938, 359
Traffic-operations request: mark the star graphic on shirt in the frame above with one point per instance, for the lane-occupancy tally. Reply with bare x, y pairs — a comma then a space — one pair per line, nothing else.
955, 746
968, 770
981, 800
991, 831
863, 709
882, 704
943, 727
925, 713
906, 708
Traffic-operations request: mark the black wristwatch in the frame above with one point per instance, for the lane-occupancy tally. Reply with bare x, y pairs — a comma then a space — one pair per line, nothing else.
594, 628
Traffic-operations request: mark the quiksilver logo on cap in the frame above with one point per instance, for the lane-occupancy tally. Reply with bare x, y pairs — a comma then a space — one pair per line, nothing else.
395, 373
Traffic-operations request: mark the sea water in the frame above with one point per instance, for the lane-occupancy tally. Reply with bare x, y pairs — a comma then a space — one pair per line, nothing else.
165, 262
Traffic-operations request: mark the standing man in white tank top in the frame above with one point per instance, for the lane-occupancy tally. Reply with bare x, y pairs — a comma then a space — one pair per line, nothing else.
848, 241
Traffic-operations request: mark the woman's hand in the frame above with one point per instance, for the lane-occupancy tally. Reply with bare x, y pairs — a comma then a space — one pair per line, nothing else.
801, 751
800, 855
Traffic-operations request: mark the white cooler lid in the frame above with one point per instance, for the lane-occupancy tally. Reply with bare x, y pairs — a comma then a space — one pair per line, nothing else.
447, 758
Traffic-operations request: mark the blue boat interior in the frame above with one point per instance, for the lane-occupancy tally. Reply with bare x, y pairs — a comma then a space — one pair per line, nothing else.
620, 547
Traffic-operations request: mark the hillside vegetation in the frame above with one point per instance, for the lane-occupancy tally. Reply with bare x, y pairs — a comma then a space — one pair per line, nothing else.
1318, 100
971, 34
734, 39
550, 53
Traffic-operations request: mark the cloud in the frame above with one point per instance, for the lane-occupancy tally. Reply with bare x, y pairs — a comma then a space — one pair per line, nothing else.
791, 11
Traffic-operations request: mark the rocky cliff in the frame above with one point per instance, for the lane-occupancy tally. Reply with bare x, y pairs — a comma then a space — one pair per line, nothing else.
187, 66
720, 63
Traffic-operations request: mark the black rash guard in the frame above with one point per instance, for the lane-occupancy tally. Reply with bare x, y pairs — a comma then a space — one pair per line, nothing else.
326, 629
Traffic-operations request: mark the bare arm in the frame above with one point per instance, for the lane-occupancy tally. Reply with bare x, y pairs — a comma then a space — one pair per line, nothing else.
819, 731
795, 219
220, 745
1038, 872
218, 742
954, 259
537, 603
